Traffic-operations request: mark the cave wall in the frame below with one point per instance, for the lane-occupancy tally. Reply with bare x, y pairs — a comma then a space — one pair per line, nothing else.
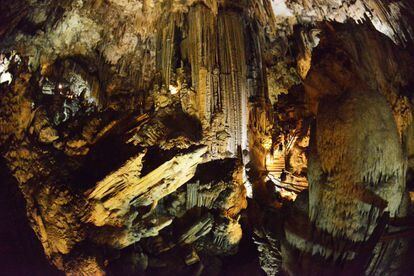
356, 121
133, 128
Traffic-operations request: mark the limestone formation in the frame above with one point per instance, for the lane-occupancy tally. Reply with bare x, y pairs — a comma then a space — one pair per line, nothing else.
206, 137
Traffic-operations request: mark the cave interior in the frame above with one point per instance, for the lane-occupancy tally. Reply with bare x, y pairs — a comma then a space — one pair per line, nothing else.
206, 137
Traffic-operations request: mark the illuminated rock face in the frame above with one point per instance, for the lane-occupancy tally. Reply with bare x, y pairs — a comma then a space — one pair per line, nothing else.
356, 163
139, 191
132, 129
222, 54
348, 198
145, 188
386, 17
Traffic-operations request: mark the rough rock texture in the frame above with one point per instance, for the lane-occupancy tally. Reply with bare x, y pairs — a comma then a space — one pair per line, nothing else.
385, 15
357, 162
136, 129
108, 207
221, 53
375, 183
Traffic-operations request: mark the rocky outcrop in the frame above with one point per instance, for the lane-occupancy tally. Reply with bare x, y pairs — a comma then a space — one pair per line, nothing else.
136, 129
356, 168
128, 199
385, 16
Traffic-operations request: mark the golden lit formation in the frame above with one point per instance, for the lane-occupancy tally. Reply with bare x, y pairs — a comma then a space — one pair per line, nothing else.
206, 137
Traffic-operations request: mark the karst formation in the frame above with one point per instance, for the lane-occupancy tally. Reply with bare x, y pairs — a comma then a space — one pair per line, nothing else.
207, 137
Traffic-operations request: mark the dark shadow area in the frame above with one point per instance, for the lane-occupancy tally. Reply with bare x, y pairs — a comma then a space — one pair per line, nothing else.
20, 251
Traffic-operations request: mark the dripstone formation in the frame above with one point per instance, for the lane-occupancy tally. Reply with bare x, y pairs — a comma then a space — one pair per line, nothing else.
207, 137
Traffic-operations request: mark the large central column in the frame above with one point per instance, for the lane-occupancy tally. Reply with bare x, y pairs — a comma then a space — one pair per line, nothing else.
210, 44
356, 173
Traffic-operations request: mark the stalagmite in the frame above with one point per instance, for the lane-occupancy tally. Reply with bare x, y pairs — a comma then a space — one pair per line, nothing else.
356, 168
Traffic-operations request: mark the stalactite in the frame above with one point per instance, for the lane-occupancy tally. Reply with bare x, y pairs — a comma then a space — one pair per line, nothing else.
202, 54
133, 129
226, 67
233, 69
